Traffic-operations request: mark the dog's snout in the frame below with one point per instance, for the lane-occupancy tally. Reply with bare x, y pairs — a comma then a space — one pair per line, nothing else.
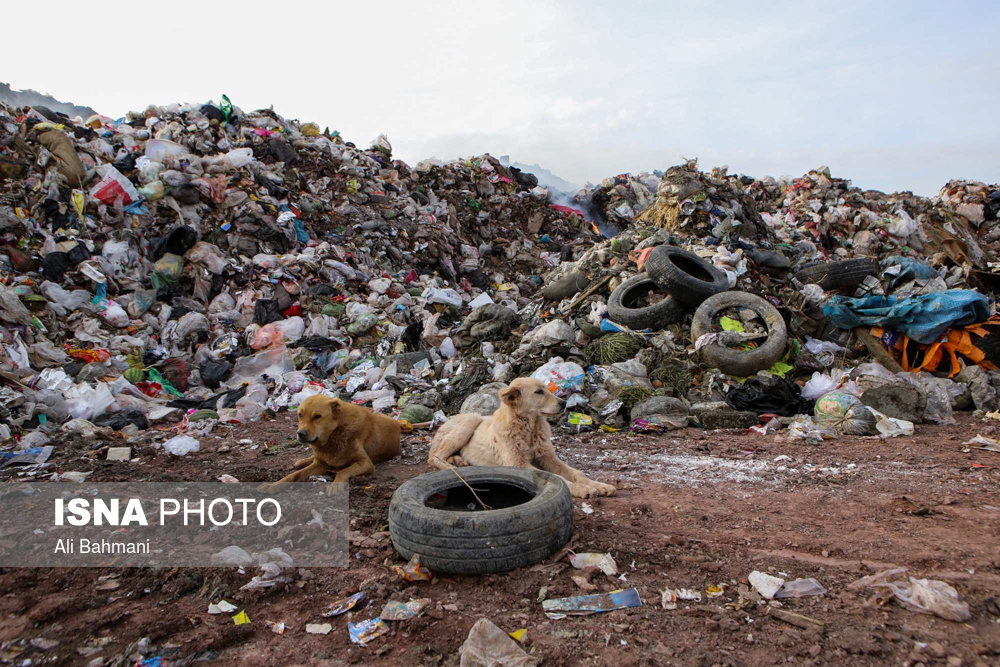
303, 436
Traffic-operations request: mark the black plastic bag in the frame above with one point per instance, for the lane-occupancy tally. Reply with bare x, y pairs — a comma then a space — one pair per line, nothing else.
122, 418
54, 266
275, 237
214, 372
78, 253
225, 399
524, 178
212, 112
186, 194
266, 311
318, 343
322, 289
771, 396
126, 163
178, 241
282, 151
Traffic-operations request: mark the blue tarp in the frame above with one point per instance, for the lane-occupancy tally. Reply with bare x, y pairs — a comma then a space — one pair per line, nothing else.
904, 269
923, 318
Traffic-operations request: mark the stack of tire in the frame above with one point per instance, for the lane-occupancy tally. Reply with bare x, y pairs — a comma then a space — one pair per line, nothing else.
684, 276
694, 284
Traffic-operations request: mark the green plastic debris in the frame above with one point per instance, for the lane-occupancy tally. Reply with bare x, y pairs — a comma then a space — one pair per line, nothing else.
781, 369
154, 376
729, 324
167, 270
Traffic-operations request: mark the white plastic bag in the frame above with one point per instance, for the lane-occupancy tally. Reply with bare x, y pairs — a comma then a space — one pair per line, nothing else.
481, 300
818, 385
825, 351
115, 315
207, 255
18, 353
447, 348
157, 150
272, 362
449, 297
113, 186
902, 226
924, 596
561, 377
291, 328
931, 596
890, 427
321, 325
552, 333
182, 445
86, 402
381, 142
62, 301
379, 285
240, 157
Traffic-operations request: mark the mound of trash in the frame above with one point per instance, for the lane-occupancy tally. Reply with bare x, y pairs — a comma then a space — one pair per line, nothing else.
198, 264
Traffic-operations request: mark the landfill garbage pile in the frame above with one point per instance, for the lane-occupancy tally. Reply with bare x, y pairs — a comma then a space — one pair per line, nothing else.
198, 264
616, 201
738, 302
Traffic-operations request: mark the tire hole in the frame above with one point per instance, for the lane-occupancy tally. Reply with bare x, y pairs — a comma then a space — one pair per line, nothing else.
495, 494
639, 295
692, 268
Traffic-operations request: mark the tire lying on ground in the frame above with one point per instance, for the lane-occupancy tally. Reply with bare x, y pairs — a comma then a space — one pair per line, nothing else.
623, 306
844, 275
532, 518
732, 361
688, 277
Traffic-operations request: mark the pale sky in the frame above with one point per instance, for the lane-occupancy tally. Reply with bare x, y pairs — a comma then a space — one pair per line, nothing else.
894, 96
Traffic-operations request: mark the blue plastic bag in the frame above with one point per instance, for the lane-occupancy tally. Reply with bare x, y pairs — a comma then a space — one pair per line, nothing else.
904, 269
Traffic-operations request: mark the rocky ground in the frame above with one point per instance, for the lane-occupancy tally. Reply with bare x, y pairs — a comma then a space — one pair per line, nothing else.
695, 509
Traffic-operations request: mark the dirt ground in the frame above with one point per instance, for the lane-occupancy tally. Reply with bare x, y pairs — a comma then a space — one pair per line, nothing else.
694, 509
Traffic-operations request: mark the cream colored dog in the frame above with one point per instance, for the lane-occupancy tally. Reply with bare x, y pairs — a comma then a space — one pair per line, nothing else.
515, 435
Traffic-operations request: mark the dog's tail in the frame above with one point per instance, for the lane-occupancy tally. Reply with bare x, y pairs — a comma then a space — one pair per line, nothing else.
453, 435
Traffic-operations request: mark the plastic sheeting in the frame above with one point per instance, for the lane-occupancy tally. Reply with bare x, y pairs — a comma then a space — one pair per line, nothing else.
922, 318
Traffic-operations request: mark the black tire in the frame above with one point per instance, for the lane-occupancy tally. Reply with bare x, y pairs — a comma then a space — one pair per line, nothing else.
496, 540
622, 310
740, 363
687, 277
845, 275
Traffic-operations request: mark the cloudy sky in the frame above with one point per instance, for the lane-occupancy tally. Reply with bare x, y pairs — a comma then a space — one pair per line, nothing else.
895, 96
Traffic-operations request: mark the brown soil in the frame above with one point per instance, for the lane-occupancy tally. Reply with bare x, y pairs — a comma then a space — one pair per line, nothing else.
695, 509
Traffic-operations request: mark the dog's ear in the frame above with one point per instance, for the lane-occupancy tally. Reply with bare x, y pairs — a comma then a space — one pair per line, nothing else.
334, 404
509, 395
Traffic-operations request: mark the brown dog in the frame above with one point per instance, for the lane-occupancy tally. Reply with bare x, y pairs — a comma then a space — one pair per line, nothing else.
515, 435
344, 437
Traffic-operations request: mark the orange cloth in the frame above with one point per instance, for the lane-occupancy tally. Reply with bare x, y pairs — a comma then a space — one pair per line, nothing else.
959, 341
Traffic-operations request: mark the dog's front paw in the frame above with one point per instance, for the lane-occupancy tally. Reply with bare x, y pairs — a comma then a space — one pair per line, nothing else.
602, 489
590, 489
268, 487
